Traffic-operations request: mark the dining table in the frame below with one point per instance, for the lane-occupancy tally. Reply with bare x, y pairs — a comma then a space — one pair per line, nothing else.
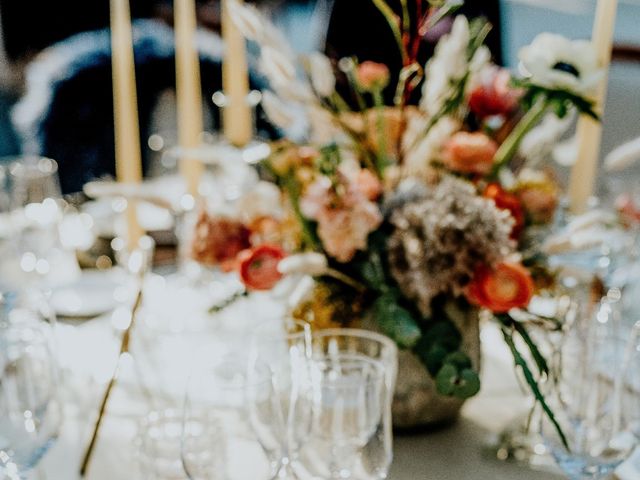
89, 352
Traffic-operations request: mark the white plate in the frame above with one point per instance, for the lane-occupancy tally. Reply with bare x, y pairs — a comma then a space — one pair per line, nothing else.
92, 295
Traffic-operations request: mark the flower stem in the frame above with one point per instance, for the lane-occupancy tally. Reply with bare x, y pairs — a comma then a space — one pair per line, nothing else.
393, 22
347, 280
510, 146
381, 157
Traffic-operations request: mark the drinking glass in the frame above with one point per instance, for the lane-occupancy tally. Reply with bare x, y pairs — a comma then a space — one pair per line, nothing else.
30, 412
283, 348
36, 209
33, 180
159, 444
217, 394
596, 397
348, 411
375, 458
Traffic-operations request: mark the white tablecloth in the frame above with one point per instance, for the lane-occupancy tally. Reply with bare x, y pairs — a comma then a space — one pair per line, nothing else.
89, 350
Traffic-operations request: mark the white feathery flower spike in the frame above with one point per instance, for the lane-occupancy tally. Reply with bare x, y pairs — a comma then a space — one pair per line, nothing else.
321, 74
276, 110
277, 67
311, 263
248, 20
623, 157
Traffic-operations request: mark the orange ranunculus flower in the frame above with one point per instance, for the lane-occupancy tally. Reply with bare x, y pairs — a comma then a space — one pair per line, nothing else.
507, 286
470, 153
372, 75
258, 267
507, 201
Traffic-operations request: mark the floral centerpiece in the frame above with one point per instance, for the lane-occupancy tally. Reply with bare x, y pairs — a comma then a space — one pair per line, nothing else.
415, 217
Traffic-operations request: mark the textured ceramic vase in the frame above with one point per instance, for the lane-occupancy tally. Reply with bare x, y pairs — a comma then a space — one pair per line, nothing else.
417, 404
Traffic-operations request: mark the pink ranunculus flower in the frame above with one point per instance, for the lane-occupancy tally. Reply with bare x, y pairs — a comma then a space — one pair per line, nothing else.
345, 219
372, 75
470, 153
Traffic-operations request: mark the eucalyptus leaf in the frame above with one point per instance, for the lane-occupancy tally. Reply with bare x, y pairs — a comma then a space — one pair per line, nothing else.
468, 385
446, 380
396, 322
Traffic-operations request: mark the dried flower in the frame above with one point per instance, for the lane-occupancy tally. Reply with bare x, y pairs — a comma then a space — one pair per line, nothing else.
372, 76
441, 236
470, 153
217, 241
507, 201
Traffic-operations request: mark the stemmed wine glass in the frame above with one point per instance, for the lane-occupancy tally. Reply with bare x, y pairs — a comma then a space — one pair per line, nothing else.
36, 207
218, 439
30, 411
595, 398
283, 347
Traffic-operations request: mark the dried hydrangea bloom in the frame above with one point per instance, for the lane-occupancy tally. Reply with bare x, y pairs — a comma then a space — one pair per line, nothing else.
441, 235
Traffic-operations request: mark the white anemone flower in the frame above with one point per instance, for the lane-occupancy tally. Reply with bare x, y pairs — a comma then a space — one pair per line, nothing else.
557, 63
321, 74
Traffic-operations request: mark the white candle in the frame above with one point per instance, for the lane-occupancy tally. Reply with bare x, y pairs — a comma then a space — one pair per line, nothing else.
189, 94
125, 110
237, 118
583, 174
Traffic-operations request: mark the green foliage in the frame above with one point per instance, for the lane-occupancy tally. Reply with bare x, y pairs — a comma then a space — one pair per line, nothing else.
459, 383
556, 99
509, 327
439, 351
329, 160
395, 321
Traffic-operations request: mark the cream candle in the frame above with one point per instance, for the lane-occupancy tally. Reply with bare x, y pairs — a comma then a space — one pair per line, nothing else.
188, 91
237, 118
583, 174
125, 110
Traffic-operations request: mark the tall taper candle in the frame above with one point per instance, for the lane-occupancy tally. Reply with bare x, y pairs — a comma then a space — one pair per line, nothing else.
189, 94
237, 118
125, 110
583, 174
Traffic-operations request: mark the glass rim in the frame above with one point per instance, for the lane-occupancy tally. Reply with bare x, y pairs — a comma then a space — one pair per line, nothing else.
12, 163
378, 367
355, 333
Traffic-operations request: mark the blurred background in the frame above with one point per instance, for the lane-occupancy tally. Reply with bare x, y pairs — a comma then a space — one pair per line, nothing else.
55, 97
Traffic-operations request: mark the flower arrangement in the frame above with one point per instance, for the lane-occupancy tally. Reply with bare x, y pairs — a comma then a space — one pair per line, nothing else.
410, 214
